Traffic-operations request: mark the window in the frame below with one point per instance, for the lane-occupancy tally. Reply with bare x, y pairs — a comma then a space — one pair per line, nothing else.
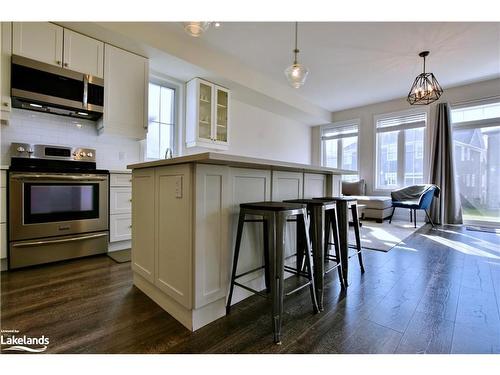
400, 149
161, 116
340, 147
476, 138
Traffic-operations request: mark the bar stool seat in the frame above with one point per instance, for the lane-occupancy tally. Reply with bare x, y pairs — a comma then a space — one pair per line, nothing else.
321, 213
274, 219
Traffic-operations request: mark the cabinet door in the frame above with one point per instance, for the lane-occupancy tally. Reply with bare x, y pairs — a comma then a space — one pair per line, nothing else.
120, 227
211, 235
221, 131
83, 54
125, 93
41, 41
5, 55
205, 111
120, 200
143, 223
315, 185
174, 264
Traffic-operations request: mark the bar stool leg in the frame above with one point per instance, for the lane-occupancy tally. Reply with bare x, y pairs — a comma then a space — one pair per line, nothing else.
318, 247
328, 221
355, 219
312, 289
277, 283
343, 229
300, 235
335, 230
266, 254
239, 233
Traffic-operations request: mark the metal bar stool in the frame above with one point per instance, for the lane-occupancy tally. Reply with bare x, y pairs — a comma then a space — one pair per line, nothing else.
343, 204
275, 216
320, 212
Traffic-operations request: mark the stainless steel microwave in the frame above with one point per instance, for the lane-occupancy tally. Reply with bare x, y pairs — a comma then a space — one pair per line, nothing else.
46, 88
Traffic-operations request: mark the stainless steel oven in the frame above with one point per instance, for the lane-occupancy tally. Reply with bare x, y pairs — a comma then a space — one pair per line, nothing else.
58, 209
51, 204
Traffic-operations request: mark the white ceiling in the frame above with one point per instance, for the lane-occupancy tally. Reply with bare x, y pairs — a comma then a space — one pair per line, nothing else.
353, 64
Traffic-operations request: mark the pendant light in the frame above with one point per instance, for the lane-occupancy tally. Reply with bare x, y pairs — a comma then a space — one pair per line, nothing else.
196, 28
296, 73
425, 88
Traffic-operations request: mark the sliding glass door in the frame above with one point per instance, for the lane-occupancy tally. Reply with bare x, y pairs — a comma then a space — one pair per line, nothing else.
476, 139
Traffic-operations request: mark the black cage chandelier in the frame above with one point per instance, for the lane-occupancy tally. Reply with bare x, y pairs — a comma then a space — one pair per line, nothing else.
425, 88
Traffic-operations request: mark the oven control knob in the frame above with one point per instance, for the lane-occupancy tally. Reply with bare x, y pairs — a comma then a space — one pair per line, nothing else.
21, 149
82, 154
89, 154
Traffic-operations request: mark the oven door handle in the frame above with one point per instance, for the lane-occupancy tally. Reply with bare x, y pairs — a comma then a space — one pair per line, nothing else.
48, 242
38, 177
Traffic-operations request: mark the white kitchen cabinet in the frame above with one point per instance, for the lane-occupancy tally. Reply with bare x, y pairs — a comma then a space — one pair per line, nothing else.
120, 226
315, 185
120, 200
41, 41
83, 54
125, 93
120, 210
55, 45
6, 52
207, 115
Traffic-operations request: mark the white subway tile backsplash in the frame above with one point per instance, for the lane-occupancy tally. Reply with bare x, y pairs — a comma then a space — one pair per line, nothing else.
112, 152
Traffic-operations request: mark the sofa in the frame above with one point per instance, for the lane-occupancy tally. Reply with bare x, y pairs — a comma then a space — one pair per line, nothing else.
374, 207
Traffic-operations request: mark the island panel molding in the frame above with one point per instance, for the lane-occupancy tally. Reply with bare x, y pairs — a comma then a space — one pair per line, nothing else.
184, 220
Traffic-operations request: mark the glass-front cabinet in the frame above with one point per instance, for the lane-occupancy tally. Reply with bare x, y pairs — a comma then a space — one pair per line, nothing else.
207, 115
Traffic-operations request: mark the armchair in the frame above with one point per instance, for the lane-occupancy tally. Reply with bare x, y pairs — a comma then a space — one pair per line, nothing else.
416, 197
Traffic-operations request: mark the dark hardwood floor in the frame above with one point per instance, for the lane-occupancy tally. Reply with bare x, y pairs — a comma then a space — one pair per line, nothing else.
438, 292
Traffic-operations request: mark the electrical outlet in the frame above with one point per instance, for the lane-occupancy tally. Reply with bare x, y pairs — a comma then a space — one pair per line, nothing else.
178, 186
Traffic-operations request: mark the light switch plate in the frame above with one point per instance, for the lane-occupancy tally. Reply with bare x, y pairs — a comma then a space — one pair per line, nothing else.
178, 186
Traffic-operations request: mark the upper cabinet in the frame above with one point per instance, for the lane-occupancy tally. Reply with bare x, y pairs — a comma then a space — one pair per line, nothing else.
207, 115
125, 93
5, 53
41, 41
83, 54
55, 45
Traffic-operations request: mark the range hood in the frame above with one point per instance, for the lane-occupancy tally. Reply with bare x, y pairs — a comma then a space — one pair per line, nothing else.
41, 87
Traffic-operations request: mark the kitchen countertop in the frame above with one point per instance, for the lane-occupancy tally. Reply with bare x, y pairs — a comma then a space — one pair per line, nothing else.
120, 171
240, 161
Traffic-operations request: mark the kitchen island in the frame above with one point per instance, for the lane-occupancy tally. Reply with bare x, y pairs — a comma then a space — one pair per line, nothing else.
184, 217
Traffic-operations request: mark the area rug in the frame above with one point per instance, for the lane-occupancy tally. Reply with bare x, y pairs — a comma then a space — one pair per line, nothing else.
383, 236
121, 256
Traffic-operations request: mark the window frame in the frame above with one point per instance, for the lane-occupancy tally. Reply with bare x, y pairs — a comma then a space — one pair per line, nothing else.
335, 126
401, 152
471, 125
168, 82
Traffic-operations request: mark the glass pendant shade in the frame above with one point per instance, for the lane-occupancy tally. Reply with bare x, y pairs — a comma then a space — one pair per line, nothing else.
196, 28
425, 88
296, 75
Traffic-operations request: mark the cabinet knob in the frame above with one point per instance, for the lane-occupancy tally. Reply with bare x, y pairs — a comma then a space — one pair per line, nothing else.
130, 226
66, 65
58, 62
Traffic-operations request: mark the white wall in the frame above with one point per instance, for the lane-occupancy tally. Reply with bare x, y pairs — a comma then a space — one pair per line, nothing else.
366, 114
112, 152
258, 133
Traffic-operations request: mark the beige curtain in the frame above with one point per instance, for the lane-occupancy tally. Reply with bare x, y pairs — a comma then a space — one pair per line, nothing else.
446, 209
